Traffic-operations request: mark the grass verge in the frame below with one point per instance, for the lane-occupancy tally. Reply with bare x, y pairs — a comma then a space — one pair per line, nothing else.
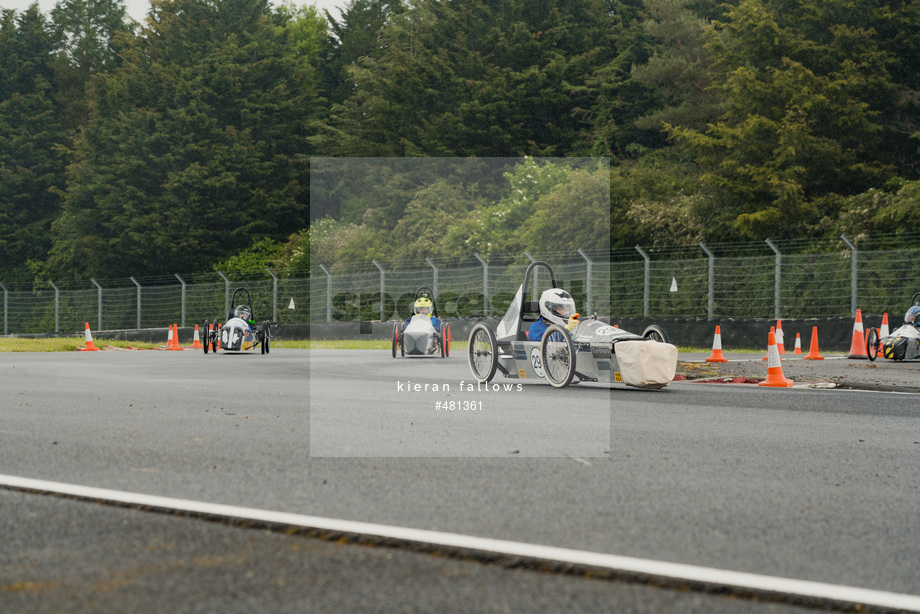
66, 344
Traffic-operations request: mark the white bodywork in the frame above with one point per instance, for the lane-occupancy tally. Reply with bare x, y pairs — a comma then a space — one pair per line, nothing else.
420, 337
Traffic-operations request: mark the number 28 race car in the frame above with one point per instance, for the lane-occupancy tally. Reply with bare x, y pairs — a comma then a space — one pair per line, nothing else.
239, 333
903, 343
424, 334
592, 352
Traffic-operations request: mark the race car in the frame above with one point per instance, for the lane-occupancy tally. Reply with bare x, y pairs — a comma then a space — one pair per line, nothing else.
903, 343
593, 351
424, 334
239, 333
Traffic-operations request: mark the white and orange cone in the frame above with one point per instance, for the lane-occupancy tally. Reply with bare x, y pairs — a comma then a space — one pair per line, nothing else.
88, 346
173, 342
798, 344
813, 353
717, 355
780, 339
775, 377
772, 332
858, 345
196, 343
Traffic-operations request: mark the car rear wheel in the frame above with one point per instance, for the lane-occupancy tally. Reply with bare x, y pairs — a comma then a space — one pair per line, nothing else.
872, 343
447, 340
558, 355
483, 353
264, 332
207, 336
395, 338
655, 333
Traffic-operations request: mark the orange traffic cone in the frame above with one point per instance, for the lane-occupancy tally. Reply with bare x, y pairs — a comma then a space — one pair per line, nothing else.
884, 331
780, 340
173, 342
798, 344
813, 353
716, 355
217, 339
196, 343
88, 339
772, 332
858, 345
775, 377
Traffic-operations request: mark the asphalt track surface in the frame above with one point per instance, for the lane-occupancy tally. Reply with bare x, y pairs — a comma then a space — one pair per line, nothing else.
807, 484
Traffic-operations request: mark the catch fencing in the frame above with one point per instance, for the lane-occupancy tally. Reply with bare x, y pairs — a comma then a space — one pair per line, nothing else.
762, 280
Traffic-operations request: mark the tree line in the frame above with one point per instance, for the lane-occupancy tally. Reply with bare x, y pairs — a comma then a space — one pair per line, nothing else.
184, 143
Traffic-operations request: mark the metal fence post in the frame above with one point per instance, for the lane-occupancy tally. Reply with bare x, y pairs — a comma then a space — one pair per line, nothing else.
383, 285
588, 281
226, 292
777, 279
181, 281
274, 294
6, 313
854, 275
99, 307
712, 277
57, 308
648, 277
328, 292
138, 302
485, 285
428, 260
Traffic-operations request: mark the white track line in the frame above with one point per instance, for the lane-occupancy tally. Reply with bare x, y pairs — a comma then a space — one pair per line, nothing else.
654, 570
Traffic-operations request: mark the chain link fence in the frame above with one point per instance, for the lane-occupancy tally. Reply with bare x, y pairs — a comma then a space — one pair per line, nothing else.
792, 280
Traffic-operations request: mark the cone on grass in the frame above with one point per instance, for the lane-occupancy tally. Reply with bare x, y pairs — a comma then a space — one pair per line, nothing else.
780, 339
88, 346
775, 377
196, 343
813, 353
858, 345
717, 355
798, 344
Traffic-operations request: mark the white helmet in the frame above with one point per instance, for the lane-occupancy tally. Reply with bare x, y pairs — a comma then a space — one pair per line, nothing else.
557, 306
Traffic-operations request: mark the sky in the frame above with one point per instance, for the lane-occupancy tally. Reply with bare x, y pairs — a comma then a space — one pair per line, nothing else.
137, 9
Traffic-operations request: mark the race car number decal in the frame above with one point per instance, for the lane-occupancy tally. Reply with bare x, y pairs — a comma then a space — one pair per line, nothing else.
605, 330
536, 361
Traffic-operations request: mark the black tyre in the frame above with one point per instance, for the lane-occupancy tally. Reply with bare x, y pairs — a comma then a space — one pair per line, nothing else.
446, 328
558, 355
655, 333
395, 338
402, 339
207, 337
483, 353
872, 343
443, 340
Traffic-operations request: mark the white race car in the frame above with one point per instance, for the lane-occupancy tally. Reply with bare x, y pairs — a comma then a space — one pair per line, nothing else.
239, 333
593, 352
903, 343
420, 337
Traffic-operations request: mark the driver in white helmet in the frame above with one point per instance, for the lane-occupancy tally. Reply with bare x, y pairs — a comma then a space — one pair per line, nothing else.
556, 307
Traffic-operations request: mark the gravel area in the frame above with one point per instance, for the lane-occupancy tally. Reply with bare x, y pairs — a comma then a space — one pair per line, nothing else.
835, 370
